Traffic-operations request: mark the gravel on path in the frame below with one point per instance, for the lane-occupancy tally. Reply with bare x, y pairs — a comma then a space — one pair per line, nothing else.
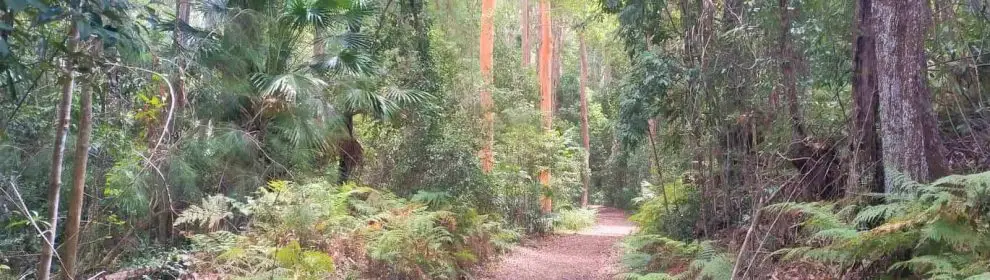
588, 254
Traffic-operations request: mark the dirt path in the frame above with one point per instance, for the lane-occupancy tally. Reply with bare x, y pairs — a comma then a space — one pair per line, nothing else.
589, 254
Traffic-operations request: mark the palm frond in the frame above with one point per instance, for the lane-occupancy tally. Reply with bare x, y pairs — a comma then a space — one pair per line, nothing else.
346, 62
354, 15
405, 96
352, 41
302, 13
286, 86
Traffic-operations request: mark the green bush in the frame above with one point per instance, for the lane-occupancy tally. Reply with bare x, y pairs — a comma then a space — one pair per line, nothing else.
575, 219
319, 230
674, 216
650, 256
935, 231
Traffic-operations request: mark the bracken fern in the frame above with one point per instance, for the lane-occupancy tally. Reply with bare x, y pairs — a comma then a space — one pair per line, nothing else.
942, 225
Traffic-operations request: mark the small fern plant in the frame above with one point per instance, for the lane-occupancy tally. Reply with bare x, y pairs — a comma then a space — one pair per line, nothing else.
943, 226
648, 254
211, 214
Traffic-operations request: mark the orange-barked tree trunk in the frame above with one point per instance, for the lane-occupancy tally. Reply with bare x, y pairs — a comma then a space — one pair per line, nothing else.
72, 225
546, 95
557, 31
487, 48
58, 155
585, 137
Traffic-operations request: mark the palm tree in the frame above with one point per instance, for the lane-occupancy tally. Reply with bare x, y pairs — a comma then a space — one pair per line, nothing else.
277, 86
311, 97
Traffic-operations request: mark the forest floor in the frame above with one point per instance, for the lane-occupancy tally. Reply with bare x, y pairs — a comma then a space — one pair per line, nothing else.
589, 254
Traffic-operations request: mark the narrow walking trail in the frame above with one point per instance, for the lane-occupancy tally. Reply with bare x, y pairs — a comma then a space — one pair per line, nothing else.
589, 254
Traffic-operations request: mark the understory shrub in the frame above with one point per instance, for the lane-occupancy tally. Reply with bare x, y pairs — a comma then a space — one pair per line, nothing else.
319, 230
575, 219
673, 216
935, 231
651, 256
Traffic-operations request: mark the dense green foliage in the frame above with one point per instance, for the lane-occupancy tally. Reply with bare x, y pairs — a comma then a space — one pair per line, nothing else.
758, 103
286, 139
340, 138
937, 230
287, 229
575, 219
647, 253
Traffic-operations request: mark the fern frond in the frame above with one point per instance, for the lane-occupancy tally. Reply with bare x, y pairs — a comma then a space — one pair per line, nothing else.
878, 213
828, 255
928, 264
435, 200
793, 253
648, 276
818, 216
835, 234
717, 267
208, 215
955, 234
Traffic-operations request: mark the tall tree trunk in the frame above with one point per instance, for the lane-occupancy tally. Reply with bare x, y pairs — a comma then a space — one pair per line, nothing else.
546, 94
865, 169
524, 27
486, 55
72, 230
909, 132
557, 29
350, 151
58, 154
585, 136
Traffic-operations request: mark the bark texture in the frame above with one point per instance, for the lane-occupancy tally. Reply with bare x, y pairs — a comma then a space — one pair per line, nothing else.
546, 93
865, 169
910, 140
487, 48
72, 225
58, 155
